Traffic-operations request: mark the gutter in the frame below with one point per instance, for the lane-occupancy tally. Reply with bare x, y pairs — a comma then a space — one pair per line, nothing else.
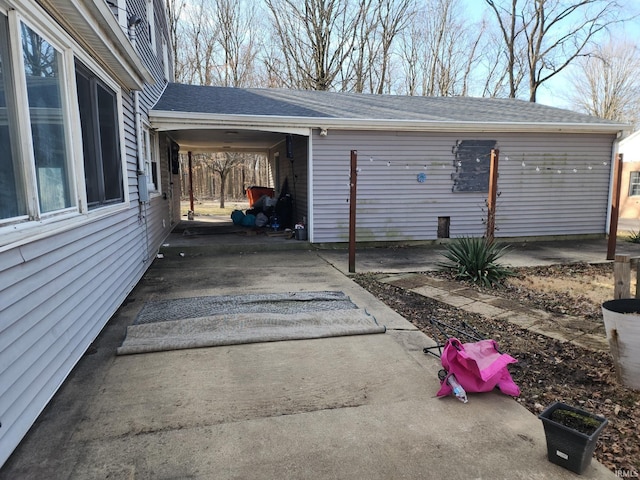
165, 120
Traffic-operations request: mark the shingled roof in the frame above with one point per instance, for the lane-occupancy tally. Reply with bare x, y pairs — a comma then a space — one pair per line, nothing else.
317, 105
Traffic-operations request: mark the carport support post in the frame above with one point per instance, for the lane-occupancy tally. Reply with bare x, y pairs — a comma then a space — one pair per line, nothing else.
493, 194
353, 179
190, 181
615, 207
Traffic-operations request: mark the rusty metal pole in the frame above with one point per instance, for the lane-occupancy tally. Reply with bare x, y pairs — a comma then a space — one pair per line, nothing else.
493, 195
190, 182
615, 207
353, 180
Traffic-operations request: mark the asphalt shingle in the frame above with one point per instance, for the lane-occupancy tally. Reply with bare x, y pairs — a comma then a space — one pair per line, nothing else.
354, 106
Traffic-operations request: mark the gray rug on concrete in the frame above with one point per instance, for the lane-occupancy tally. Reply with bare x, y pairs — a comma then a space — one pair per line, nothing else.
234, 319
288, 302
239, 328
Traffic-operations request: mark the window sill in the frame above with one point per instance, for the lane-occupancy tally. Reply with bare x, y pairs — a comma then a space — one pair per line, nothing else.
17, 235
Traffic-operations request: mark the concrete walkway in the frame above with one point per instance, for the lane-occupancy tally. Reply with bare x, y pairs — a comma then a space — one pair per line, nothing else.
360, 407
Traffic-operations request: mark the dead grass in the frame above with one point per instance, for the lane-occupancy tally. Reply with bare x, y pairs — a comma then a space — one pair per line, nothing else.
597, 287
208, 208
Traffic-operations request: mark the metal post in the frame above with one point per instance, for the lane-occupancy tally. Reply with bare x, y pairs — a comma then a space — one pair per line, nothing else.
353, 179
615, 207
190, 182
493, 194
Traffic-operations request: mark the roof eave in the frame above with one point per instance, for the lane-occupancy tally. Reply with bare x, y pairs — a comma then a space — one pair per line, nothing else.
92, 24
171, 120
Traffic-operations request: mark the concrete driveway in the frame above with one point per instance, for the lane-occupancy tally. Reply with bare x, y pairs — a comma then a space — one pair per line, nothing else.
358, 407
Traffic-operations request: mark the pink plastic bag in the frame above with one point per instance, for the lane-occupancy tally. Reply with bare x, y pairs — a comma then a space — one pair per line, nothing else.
479, 367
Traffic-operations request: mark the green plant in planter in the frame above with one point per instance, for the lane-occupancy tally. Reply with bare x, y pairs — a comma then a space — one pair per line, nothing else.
476, 260
576, 420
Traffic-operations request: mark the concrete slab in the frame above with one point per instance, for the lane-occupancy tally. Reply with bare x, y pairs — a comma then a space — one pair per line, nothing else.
520, 319
431, 292
592, 342
351, 407
484, 309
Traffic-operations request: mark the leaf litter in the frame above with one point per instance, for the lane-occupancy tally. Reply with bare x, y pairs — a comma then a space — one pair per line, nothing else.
547, 370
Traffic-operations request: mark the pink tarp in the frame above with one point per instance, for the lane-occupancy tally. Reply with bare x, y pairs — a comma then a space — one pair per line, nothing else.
479, 367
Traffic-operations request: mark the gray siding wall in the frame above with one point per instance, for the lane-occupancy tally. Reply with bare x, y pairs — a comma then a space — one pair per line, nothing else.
58, 292
567, 195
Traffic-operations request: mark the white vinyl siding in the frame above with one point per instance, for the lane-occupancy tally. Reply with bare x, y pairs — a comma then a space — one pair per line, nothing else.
62, 280
392, 205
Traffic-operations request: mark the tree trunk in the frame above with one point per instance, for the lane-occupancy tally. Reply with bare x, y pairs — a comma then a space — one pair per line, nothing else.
223, 178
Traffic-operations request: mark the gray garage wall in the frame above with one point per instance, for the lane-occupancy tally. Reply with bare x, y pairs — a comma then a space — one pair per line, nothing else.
549, 184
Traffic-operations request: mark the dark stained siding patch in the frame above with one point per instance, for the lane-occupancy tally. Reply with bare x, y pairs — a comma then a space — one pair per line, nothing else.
472, 162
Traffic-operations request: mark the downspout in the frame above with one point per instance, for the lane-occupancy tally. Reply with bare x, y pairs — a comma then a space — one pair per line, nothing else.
132, 23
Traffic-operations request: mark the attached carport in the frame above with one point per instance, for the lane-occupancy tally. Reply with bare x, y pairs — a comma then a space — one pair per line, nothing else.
424, 161
199, 123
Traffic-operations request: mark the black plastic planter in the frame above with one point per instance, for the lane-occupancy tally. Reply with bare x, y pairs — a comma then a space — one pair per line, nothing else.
566, 446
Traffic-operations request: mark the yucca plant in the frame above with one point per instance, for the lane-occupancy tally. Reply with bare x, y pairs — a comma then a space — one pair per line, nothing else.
634, 237
476, 260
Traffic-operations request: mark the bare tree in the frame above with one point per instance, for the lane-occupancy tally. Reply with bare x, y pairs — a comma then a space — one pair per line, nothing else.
512, 27
237, 45
222, 164
393, 16
554, 32
440, 50
315, 38
175, 9
606, 84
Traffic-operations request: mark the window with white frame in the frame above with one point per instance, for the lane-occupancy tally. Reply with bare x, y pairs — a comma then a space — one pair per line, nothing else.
165, 61
41, 173
12, 187
37, 178
151, 163
151, 24
634, 184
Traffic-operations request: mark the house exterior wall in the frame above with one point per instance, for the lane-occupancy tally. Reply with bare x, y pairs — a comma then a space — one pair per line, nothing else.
63, 277
629, 203
543, 182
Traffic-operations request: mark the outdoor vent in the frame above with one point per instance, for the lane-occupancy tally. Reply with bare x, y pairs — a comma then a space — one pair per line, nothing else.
443, 227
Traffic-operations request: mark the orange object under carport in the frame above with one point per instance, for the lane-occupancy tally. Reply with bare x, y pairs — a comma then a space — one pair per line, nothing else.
254, 193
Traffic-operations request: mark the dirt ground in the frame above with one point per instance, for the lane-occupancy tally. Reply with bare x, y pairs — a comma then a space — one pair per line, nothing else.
547, 370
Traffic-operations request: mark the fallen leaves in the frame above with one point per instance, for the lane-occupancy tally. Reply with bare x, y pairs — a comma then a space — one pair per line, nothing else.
547, 370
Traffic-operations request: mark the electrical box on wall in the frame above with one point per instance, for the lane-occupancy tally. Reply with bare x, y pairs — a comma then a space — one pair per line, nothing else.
143, 190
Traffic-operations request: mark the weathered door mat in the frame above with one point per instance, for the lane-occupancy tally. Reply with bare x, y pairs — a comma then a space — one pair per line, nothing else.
287, 302
235, 329
236, 319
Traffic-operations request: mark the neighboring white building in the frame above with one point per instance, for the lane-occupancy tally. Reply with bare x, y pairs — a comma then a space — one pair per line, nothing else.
85, 186
630, 185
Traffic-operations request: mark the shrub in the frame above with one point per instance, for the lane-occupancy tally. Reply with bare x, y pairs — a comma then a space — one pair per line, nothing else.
476, 260
634, 237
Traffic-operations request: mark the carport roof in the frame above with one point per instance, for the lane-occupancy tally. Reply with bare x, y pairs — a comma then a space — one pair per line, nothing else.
189, 104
